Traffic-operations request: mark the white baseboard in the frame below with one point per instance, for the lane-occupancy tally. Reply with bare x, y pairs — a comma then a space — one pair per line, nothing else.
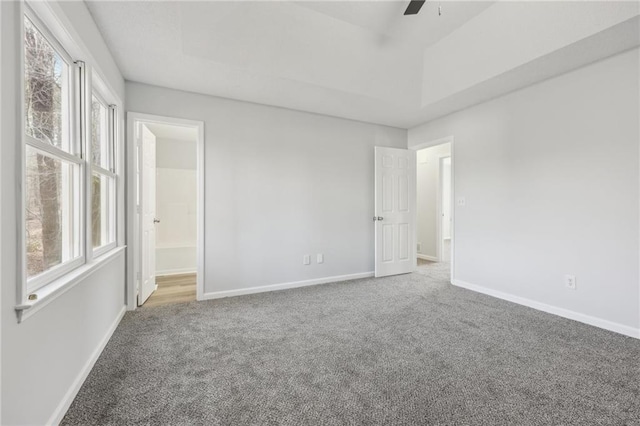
426, 257
565, 313
64, 405
167, 272
284, 286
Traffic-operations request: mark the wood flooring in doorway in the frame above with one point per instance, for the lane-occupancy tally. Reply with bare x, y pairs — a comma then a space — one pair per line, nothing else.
173, 289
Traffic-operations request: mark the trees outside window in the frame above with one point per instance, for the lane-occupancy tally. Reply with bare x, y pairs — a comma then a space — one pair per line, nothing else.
52, 168
69, 180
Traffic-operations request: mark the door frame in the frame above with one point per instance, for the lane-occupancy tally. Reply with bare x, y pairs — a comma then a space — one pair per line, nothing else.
134, 225
429, 144
440, 205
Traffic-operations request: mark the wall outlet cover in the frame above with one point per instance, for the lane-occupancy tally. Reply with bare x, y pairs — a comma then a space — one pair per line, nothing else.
570, 281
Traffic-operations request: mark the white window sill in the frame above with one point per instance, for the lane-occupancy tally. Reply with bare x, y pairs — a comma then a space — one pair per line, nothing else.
100, 251
58, 287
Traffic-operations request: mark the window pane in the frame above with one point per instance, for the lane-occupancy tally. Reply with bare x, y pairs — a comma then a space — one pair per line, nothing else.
46, 90
102, 210
99, 134
52, 211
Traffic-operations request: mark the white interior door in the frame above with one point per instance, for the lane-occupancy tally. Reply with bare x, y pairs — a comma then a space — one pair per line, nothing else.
148, 215
395, 215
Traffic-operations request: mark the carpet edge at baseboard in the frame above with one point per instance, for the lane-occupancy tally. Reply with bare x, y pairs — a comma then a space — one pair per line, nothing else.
284, 286
555, 310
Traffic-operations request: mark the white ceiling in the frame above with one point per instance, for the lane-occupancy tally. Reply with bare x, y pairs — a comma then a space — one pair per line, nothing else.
354, 59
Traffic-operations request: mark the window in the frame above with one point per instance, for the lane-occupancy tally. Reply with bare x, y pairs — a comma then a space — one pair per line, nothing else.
103, 177
70, 179
53, 166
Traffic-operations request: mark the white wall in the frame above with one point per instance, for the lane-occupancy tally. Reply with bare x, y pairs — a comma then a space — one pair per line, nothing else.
279, 184
550, 178
176, 206
428, 180
44, 357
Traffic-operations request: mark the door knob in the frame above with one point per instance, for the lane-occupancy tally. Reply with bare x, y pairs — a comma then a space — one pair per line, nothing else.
156, 221
380, 218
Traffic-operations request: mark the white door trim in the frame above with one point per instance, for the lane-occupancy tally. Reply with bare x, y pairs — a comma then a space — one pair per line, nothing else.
440, 141
133, 220
147, 143
440, 206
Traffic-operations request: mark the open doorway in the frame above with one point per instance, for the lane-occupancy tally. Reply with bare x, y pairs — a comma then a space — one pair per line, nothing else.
434, 213
168, 210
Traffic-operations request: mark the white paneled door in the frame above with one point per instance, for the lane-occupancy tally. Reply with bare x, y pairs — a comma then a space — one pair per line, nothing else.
148, 215
395, 211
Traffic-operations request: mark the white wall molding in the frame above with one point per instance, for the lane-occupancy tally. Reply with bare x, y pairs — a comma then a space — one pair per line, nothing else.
427, 257
565, 313
284, 286
68, 398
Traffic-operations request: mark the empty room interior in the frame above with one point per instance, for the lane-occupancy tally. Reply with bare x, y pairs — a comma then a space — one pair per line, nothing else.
396, 212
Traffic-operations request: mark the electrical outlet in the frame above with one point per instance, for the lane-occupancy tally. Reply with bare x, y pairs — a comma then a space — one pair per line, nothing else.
306, 259
419, 247
570, 281
462, 202
320, 258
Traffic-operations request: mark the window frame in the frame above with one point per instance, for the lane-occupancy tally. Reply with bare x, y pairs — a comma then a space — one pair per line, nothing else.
73, 118
32, 294
110, 172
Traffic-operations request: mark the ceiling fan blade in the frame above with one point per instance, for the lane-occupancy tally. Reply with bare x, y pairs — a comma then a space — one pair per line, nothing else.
414, 7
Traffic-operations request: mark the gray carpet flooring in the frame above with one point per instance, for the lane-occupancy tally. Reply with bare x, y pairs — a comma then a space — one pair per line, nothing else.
403, 350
